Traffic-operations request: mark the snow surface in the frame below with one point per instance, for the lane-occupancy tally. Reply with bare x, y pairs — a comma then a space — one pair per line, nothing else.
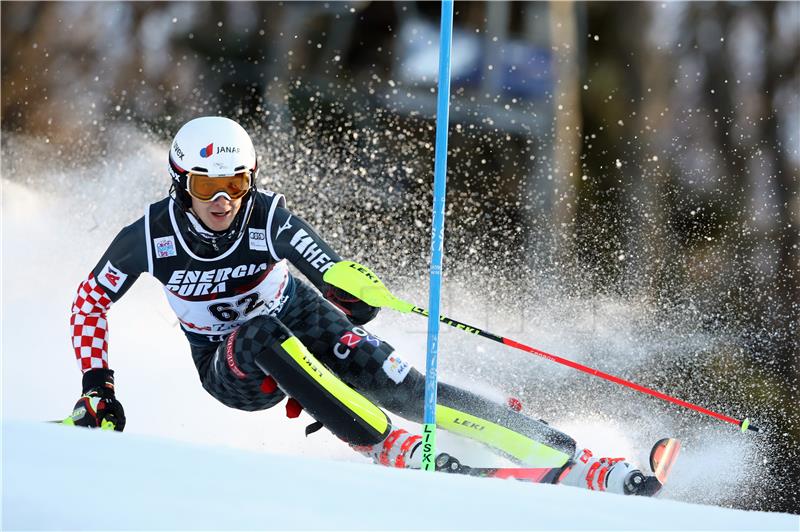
185, 461
56, 477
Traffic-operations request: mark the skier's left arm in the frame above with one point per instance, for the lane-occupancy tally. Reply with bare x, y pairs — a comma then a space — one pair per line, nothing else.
292, 238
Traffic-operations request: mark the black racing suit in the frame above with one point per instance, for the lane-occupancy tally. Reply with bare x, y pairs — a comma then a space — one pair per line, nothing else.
246, 288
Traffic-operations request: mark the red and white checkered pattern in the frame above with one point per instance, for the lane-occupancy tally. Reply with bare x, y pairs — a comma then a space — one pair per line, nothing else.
89, 325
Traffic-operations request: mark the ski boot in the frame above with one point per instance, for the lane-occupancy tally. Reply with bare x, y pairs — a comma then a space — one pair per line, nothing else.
614, 475
399, 449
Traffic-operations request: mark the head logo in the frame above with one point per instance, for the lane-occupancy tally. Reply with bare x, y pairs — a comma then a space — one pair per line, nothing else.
178, 151
208, 151
227, 149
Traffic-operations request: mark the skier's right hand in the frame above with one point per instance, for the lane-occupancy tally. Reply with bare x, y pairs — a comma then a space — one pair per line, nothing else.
357, 311
98, 407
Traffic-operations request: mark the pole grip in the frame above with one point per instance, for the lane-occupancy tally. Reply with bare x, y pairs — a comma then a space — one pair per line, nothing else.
746, 425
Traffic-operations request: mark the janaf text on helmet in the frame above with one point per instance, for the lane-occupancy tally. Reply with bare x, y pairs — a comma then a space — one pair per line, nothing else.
227, 149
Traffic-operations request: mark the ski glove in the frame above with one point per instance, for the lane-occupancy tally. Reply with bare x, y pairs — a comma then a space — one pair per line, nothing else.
356, 310
97, 407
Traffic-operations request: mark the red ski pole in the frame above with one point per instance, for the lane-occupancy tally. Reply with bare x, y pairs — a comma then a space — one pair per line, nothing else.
743, 424
364, 284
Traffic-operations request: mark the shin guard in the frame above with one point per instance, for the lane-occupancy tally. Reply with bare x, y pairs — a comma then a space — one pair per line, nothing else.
345, 412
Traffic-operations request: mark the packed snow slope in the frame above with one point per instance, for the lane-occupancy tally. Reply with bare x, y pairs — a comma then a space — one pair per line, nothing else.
56, 477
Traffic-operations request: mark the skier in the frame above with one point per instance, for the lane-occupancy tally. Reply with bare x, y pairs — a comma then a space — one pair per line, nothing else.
257, 334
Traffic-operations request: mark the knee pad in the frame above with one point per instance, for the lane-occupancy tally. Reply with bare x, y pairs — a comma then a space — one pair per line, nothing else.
348, 414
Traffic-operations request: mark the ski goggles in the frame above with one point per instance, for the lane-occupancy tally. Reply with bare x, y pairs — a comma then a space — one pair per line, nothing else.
207, 188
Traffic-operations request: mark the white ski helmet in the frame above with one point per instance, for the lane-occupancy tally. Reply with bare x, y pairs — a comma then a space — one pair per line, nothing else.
211, 145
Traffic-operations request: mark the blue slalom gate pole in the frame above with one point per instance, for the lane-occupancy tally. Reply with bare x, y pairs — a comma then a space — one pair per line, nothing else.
437, 236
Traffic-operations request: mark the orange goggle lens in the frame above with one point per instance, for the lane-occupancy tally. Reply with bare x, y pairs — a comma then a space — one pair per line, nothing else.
205, 188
